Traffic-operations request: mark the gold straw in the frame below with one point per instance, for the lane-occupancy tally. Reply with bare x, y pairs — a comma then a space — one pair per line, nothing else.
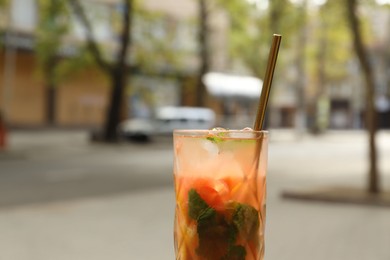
273, 55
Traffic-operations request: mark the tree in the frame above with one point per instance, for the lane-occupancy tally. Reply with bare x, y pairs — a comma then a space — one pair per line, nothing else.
117, 69
362, 54
204, 52
250, 34
245, 44
52, 24
248, 39
300, 84
153, 51
328, 58
251, 29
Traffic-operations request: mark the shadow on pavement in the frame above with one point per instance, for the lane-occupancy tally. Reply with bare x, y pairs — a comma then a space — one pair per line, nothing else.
342, 195
59, 165
104, 185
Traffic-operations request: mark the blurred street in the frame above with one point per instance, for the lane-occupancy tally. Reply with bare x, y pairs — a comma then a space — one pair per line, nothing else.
62, 197
143, 68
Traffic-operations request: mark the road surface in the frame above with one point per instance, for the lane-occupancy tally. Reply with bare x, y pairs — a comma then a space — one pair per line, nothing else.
64, 198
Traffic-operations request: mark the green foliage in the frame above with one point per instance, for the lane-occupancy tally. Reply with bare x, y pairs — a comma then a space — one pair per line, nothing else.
251, 30
4, 3
68, 66
325, 30
3, 20
329, 40
157, 43
53, 24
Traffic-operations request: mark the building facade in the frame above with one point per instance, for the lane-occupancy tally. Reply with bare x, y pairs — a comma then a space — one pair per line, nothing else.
81, 98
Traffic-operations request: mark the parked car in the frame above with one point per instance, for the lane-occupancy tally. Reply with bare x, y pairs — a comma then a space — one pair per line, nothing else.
167, 119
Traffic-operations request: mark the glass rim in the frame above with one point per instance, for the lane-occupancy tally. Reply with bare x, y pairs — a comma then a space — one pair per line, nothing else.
203, 132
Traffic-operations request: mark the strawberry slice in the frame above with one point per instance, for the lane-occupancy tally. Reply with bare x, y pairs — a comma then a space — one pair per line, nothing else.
214, 192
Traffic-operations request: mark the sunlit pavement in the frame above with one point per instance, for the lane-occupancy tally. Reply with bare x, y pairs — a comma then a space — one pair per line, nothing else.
63, 198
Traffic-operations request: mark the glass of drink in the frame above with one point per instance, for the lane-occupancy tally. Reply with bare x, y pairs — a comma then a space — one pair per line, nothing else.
220, 188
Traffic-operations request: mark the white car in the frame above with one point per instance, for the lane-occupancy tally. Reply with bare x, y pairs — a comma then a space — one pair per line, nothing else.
166, 120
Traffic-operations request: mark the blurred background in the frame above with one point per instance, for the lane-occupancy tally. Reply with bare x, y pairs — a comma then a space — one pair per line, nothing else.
90, 91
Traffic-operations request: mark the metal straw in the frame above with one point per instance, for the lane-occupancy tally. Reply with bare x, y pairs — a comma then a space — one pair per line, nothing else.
273, 54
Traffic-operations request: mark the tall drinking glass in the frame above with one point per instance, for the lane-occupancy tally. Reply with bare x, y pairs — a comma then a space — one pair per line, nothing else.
220, 188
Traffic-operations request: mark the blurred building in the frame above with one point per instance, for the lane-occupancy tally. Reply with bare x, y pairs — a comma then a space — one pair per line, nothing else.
347, 99
381, 59
81, 98
340, 104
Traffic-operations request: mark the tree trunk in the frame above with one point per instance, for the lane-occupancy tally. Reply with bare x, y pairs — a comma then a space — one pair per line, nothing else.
117, 71
204, 56
370, 113
118, 83
119, 76
50, 104
50, 91
300, 118
316, 125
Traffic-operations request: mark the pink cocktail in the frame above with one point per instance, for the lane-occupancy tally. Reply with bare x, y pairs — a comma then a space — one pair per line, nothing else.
220, 187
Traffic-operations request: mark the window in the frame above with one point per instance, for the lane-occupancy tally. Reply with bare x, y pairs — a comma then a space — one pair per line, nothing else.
23, 15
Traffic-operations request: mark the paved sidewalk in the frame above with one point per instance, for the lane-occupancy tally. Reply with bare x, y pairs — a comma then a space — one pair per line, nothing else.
138, 224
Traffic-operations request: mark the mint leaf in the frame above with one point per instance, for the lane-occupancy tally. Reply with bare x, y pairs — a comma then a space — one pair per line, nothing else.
197, 207
213, 232
212, 228
246, 220
233, 233
235, 253
218, 231
215, 139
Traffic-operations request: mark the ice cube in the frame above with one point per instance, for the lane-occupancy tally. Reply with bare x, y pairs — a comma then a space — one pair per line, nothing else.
219, 129
245, 134
227, 166
216, 130
210, 147
247, 129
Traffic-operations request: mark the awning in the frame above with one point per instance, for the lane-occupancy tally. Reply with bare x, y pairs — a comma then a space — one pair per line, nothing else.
225, 85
